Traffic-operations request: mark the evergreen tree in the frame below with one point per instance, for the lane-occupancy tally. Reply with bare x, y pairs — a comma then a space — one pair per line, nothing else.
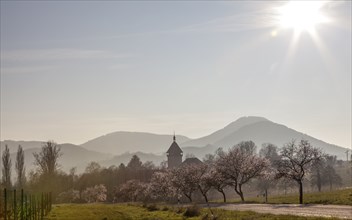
6, 168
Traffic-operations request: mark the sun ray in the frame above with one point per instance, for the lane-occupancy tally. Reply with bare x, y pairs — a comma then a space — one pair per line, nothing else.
331, 64
302, 16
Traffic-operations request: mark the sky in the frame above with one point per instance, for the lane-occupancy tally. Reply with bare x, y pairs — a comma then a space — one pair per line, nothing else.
75, 70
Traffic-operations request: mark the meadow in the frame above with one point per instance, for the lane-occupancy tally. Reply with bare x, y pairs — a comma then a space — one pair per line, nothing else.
132, 211
155, 212
335, 197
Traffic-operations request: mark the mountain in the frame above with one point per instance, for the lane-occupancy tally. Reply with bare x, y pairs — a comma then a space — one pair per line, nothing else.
118, 147
259, 130
222, 133
13, 145
122, 142
72, 155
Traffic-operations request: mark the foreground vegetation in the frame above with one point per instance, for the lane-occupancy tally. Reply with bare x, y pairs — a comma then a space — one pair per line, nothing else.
153, 212
336, 197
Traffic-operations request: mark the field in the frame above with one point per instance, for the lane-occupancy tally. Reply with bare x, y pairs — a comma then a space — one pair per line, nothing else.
160, 212
152, 212
336, 197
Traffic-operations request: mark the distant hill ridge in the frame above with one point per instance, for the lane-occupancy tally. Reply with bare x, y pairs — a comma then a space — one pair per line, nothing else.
118, 147
222, 133
258, 130
123, 141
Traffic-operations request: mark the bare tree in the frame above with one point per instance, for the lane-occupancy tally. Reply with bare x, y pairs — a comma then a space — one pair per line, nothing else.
267, 181
240, 164
248, 147
329, 173
6, 168
296, 161
47, 158
317, 169
270, 152
93, 167
20, 169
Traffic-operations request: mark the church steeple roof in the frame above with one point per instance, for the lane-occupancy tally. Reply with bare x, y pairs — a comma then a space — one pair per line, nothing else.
174, 149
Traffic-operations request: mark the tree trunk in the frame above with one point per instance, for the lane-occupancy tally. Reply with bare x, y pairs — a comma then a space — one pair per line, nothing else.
318, 180
330, 184
266, 195
239, 192
300, 192
206, 198
223, 195
188, 196
204, 193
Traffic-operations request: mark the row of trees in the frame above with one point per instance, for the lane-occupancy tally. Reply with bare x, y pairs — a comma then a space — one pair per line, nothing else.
224, 170
234, 169
48, 177
46, 162
19, 167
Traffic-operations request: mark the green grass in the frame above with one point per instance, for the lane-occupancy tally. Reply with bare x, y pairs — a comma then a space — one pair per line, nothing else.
135, 212
106, 212
336, 197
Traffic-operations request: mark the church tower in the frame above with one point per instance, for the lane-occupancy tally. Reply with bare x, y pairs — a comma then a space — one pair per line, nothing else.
174, 155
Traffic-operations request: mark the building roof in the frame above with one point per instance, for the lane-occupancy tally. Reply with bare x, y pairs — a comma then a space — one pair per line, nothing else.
174, 149
192, 161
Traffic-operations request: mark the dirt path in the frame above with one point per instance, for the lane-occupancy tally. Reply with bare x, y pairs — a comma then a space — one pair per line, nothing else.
339, 211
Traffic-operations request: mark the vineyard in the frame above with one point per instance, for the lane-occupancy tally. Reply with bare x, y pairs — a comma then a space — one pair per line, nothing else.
21, 205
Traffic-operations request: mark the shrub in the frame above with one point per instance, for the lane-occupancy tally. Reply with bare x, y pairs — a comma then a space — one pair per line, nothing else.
179, 210
209, 217
152, 208
192, 211
68, 196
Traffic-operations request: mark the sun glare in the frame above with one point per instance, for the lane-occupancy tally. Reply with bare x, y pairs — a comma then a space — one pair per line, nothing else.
301, 15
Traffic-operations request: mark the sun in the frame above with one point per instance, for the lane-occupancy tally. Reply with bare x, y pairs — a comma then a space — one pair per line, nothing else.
301, 15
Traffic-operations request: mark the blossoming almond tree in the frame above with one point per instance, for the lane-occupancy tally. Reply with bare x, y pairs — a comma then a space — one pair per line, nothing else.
161, 187
239, 165
185, 180
95, 194
218, 181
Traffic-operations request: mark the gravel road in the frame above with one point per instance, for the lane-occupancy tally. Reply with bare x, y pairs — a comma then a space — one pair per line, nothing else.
339, 211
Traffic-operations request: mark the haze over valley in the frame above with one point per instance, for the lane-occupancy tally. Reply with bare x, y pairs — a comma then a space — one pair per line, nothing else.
118, 147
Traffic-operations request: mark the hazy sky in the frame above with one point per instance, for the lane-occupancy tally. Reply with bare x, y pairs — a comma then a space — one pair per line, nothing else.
72, 71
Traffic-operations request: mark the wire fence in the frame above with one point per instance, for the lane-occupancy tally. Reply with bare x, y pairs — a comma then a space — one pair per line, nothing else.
20, 205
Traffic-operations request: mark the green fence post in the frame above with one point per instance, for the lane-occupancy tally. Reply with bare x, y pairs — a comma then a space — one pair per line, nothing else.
25, 207
21, 204
30, 206
5, 203
14, 205
1, 201
47, 202
42, 207
35, 207
50, 201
